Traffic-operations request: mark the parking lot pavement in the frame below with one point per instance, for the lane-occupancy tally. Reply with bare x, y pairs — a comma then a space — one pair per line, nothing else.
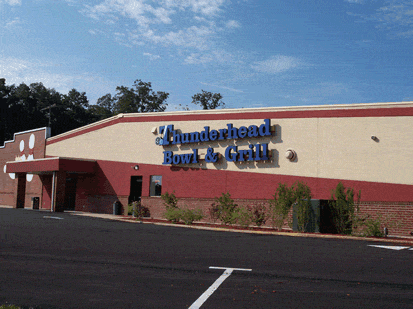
52, 260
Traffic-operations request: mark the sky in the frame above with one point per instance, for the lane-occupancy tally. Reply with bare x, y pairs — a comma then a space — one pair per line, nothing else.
256, 53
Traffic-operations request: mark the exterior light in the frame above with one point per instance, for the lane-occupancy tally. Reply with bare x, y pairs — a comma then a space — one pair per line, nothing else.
136, 167
290, 154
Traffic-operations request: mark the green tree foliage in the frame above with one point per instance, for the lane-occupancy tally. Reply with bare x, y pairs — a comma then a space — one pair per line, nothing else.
302, 205
281, 205
24, 107
224, 209
344, 207
285, 197
140, 98
208, 100
104, 107
6, 101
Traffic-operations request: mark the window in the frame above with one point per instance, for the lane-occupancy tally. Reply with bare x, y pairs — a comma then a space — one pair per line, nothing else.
156, 186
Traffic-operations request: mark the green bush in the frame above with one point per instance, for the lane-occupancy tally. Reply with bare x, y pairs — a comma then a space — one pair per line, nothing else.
242, 216
259, 214
170, 200
302, 205
137, 210
367, 226
373, 227
284, 198
225, 209
173, 214
130, 209
9, 307
189, 215
344, 209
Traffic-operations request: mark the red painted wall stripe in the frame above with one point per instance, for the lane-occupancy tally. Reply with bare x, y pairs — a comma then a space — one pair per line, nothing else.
114, 178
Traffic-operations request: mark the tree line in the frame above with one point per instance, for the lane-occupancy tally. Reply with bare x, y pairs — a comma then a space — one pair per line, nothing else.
25, 107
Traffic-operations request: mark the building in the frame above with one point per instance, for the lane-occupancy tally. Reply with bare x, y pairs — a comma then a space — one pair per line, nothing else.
201, 154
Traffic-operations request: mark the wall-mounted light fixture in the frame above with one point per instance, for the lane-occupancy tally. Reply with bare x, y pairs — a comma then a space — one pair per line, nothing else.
374, 138
136, 167
290, 154
154, 130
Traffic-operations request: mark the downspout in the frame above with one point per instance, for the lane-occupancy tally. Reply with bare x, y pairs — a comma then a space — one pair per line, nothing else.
53, 192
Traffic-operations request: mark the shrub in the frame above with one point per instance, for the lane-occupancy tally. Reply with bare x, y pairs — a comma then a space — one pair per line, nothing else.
214, 212
137, 210
373, 227
302, 205
189, 215
130, 209
281, 205
225, 208
344, 208
173, 214
259, 214
242, 216
368, 226
170, 200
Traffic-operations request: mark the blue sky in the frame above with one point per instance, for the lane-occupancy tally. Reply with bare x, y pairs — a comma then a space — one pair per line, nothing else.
255, 53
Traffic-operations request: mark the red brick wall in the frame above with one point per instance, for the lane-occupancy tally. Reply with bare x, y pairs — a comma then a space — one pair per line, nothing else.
397, 217
8, 152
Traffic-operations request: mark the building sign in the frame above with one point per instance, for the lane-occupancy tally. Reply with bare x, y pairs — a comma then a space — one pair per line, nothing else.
255, 152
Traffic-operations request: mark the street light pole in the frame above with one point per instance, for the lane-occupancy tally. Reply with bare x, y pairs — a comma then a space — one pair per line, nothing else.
50, 113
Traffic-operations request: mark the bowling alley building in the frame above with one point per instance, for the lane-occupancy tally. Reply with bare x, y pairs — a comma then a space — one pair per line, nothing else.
199, 155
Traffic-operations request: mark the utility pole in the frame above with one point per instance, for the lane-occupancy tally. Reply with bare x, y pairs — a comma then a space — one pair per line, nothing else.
50, 113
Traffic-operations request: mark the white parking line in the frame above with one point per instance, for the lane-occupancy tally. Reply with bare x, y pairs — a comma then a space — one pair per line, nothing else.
50, 217
228, 271
390, 247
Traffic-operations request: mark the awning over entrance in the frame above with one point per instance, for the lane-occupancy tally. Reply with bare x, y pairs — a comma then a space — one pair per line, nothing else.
58, 167
49, 165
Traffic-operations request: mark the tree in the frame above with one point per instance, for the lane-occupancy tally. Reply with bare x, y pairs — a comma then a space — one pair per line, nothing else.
73, 112
139, 99
24, 108
104, 108
208, 100
5, 101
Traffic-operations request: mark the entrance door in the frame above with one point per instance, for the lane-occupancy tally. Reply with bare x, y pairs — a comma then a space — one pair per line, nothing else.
70, 192
135, 189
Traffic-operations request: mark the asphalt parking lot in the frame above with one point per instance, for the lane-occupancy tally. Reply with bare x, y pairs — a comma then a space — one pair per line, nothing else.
68, 261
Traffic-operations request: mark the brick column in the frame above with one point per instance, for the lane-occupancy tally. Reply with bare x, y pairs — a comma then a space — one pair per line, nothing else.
20, 192
59, 191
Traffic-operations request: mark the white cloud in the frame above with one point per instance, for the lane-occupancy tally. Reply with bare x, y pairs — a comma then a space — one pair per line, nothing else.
218, 56
397, 12
355, 1
189, 25
194, 37
395, 15
205, 7
223, 87
17, 71
13, 23
233, 24
151, 56
12, 2
276, 64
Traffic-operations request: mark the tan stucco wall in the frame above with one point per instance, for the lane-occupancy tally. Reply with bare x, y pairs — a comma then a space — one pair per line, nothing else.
339, 148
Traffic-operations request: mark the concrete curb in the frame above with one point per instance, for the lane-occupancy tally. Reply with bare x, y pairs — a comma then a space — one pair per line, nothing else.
391, 239
223, 229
